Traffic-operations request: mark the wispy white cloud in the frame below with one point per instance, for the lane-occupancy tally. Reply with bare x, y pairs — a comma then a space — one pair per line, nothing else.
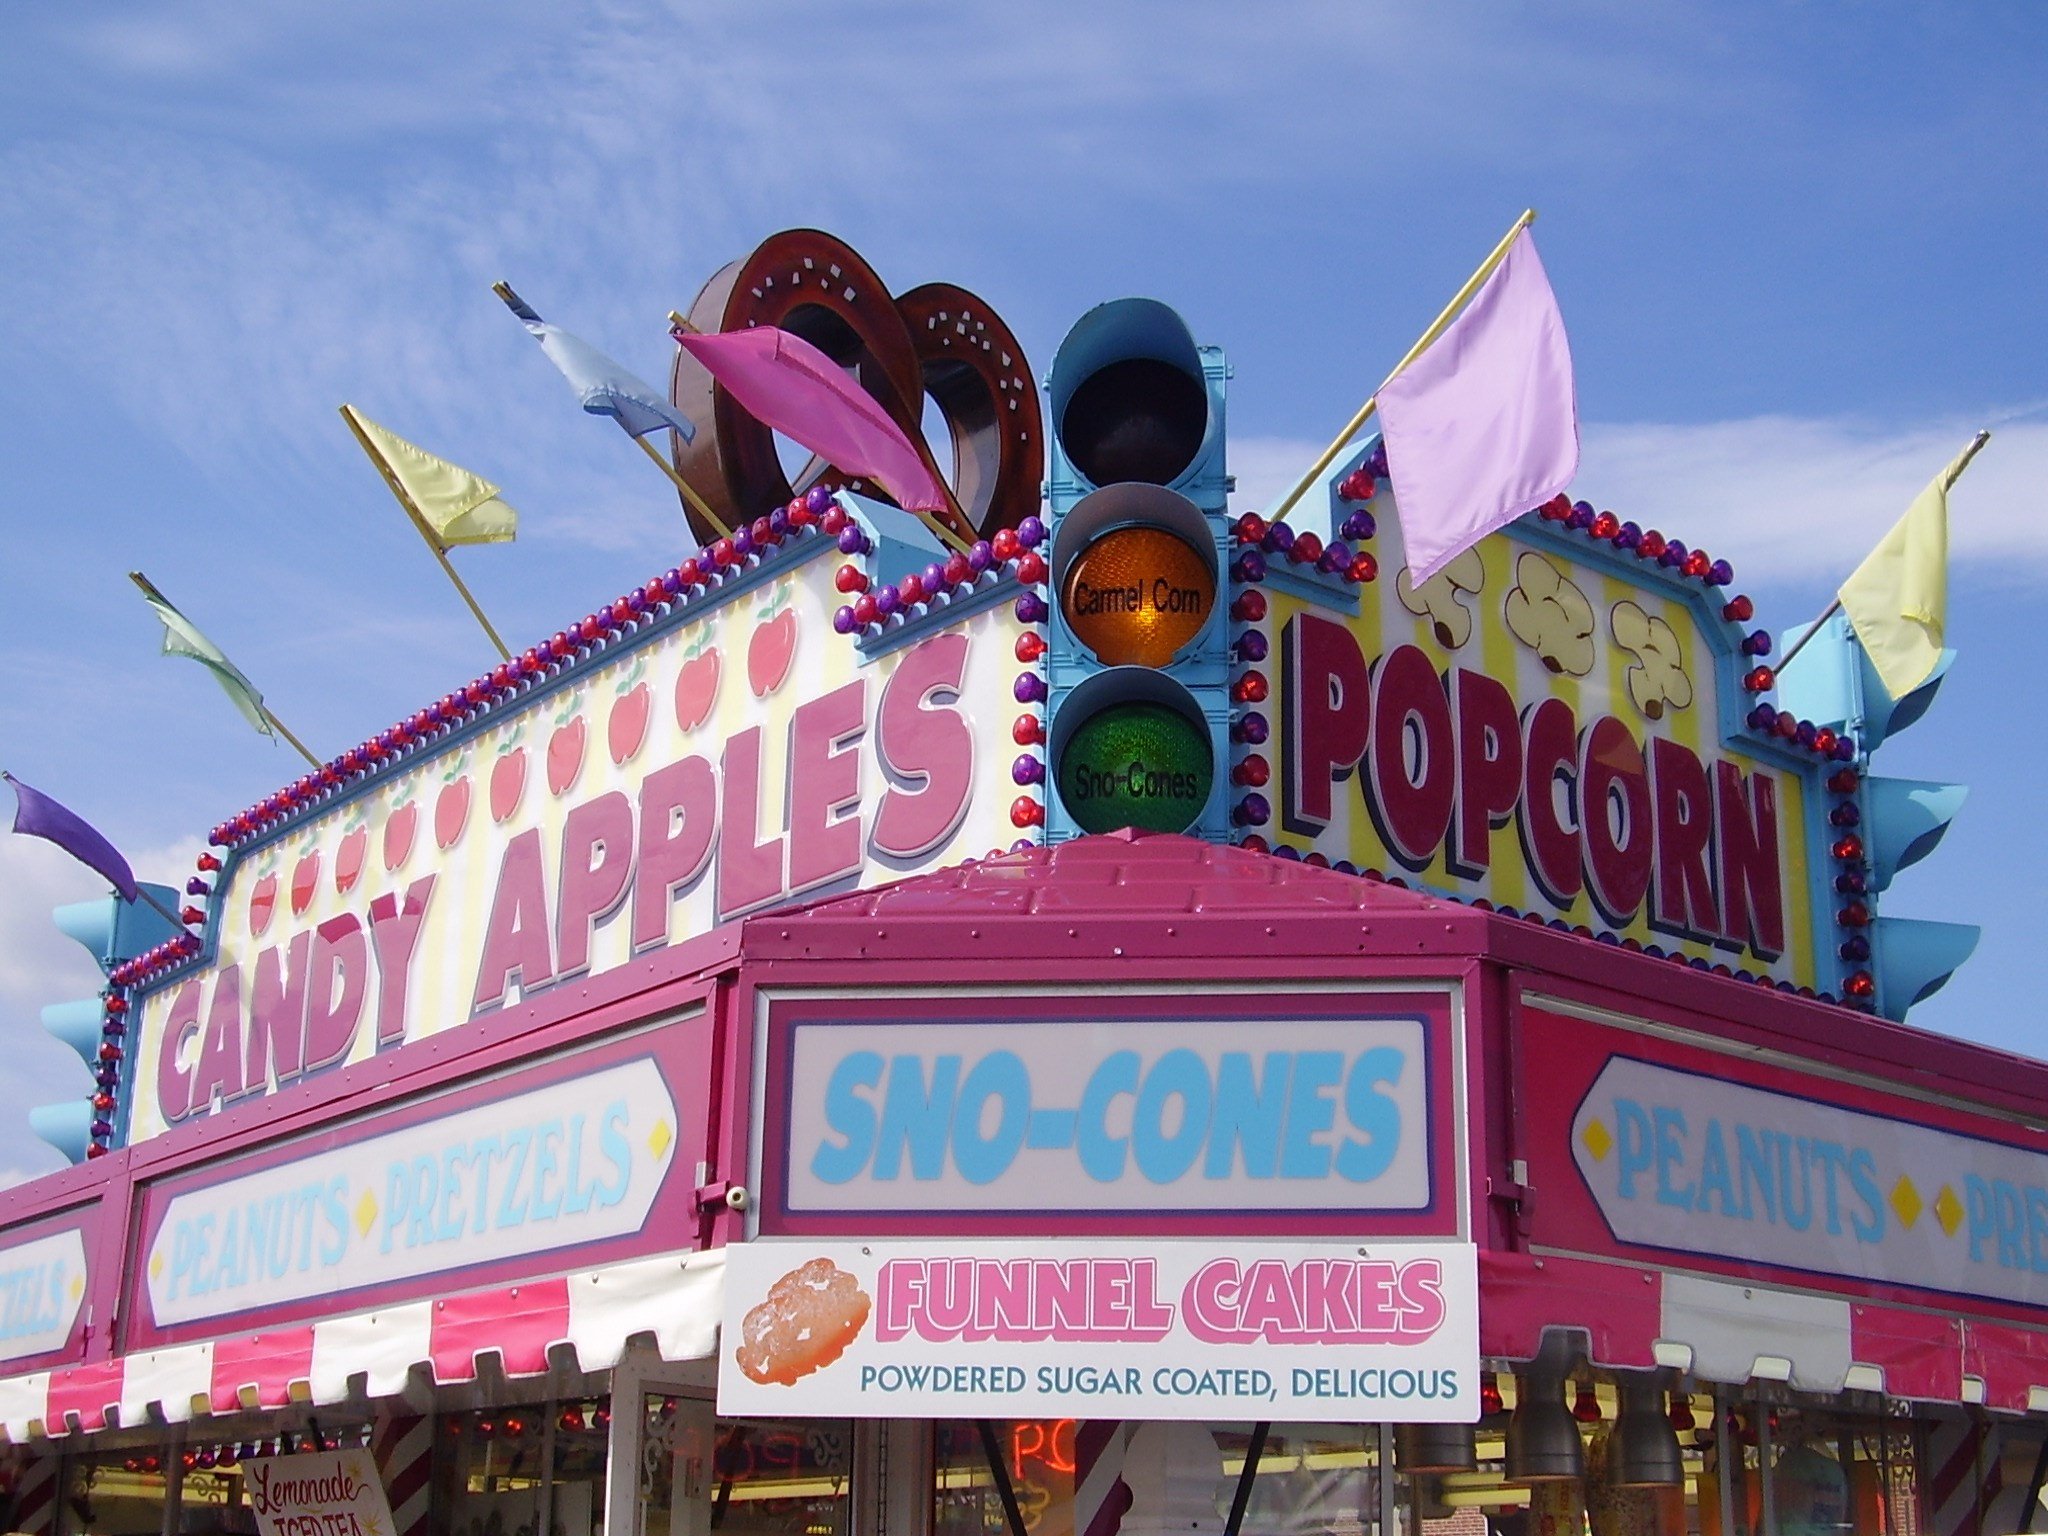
1786, 498
1791, 497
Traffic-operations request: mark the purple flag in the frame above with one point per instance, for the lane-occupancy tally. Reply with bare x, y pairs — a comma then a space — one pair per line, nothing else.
790, 385
37, 815
1484, 425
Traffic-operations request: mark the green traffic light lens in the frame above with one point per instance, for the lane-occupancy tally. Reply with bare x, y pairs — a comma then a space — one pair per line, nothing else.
1136, 764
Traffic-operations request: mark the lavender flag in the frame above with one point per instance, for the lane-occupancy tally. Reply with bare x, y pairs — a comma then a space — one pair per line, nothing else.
1484, 425
37, 815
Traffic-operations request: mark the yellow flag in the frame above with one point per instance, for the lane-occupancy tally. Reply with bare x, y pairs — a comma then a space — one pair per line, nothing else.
450, 505
1897, 599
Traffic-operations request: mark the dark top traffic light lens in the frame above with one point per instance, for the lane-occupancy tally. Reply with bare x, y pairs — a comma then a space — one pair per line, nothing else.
1136, 419
1135, 764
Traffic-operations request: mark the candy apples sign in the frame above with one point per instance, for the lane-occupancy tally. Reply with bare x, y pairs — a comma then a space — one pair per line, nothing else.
722, 758
1554, 732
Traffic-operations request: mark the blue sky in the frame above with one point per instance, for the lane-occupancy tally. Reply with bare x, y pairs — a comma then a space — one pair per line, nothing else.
1797, 248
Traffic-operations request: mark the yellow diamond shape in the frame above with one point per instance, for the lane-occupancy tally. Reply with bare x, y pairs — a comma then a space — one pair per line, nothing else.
659, 1138
76, 1289
366, 1213
1906, 1202
156, 1266
1949, 1210
1597, 1140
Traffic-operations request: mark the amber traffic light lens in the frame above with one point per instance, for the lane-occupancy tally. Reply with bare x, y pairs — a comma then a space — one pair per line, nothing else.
1135, 596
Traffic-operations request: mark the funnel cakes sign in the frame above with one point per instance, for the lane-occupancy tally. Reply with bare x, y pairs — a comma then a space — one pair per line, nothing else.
1555, 730
1307, 1332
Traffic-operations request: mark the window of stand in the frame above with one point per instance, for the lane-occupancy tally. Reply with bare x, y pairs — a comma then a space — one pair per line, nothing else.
119, 1486
1307, 1479
1825, 1470
519, 1469
741, 1477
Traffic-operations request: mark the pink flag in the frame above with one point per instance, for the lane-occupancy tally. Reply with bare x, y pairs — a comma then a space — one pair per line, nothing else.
789, 385
1485, 424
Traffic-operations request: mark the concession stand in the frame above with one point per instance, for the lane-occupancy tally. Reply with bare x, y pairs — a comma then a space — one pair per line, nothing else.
736, 1069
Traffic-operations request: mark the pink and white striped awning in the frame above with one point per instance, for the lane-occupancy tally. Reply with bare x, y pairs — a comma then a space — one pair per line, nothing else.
1734, 1332
675, 1299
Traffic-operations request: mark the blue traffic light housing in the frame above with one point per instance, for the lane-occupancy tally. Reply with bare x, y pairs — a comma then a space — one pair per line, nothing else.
112, 931
1138, 664
1885, 824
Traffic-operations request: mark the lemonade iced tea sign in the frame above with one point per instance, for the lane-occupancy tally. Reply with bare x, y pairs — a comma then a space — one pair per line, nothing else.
718, 762
1309, 1332
331, 1493
1552, 730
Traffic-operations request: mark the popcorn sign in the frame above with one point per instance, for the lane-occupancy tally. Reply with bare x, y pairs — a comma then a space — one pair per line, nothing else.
1308, 1332
1556, 730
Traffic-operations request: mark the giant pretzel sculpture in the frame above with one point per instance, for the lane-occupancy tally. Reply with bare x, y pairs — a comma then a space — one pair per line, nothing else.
935, 340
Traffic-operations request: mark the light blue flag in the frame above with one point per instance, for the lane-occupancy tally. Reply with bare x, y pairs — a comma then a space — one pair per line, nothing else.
604, 387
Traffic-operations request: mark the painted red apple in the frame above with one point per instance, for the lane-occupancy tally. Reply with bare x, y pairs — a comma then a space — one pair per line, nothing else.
508, 782
770, 651
305, 878
399, 831
697, 689
565, 755
451, 811
348, 858
262, 902
628, 725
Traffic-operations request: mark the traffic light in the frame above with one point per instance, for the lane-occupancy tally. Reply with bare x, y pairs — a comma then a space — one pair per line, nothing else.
1137, 665
1878, 826
113, 931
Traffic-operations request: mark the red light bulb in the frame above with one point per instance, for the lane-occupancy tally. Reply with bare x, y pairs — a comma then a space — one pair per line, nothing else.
1586, 1406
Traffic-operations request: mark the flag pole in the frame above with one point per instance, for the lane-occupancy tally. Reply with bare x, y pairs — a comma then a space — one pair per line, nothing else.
150, 590
1835, 607
1436, 329
419, 522
697, 503
678, 322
